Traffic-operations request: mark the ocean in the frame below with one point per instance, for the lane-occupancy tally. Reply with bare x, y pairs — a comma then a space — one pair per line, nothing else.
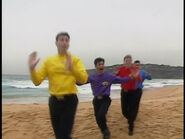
19, 89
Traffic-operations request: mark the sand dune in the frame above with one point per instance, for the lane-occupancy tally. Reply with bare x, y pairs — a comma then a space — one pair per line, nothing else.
160, 117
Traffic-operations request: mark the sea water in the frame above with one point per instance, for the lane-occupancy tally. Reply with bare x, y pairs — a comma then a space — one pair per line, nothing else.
19, 89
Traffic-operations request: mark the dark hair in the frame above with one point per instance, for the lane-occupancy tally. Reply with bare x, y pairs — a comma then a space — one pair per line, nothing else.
97, 60
137, 61
127, 56
62, 34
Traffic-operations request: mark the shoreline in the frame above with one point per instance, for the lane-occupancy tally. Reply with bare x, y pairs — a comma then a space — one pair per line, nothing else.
115, 94
145, 90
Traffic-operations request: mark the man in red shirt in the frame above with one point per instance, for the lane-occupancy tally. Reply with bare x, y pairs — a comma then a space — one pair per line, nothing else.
129, 95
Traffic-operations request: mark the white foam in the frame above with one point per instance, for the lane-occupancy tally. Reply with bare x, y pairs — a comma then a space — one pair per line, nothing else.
25, 84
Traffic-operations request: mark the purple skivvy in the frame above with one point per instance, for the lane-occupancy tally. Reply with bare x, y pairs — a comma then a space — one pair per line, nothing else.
101, 84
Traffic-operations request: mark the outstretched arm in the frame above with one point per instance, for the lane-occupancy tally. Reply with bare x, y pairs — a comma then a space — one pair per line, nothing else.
117, 79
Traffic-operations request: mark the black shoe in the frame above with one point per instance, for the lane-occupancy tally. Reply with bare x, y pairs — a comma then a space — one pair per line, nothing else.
131, 128
130, 132
106, 134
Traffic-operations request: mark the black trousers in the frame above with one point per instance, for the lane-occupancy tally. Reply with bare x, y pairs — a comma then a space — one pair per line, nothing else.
130, 104
101, 107
62, 114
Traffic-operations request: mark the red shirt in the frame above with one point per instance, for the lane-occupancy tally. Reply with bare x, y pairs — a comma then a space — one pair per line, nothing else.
124, 72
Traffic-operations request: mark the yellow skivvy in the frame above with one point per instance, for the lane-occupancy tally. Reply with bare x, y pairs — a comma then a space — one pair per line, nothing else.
61, 81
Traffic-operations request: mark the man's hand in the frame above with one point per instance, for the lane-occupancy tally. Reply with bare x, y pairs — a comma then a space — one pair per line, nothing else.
116, 72
134, 73
69, 64
33, 60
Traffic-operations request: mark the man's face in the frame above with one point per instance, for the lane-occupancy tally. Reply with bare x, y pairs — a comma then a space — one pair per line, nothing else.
62, 43
100, 67
128, 62
137, 65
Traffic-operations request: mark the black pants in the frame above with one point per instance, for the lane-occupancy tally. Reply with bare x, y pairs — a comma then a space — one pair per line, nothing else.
130, 104
62, 114
101, 107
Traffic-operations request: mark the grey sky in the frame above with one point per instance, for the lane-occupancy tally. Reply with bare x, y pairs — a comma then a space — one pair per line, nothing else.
149, 30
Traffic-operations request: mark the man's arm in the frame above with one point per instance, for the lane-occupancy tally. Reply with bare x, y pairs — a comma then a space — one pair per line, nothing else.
80, 72
148, 76
138, 76
136, 73
79, 84
117, 79
37, 77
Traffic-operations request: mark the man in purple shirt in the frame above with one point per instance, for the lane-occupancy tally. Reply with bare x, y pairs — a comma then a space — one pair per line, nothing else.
100, 84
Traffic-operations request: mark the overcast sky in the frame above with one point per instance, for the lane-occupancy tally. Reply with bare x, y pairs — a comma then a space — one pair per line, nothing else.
149, 30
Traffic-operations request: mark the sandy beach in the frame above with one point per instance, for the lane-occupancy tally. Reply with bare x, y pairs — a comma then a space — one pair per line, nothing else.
160, 117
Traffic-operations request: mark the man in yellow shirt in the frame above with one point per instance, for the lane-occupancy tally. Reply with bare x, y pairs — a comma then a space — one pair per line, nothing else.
63, 70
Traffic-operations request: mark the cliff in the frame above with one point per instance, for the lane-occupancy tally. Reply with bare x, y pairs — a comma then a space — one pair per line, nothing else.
157, 71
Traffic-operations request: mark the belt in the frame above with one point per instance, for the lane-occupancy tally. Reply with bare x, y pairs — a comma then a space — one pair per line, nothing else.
126, 90
101, 97
62, 97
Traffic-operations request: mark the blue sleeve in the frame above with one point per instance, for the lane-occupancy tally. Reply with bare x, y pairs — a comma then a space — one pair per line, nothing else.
149, 77
116, 79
